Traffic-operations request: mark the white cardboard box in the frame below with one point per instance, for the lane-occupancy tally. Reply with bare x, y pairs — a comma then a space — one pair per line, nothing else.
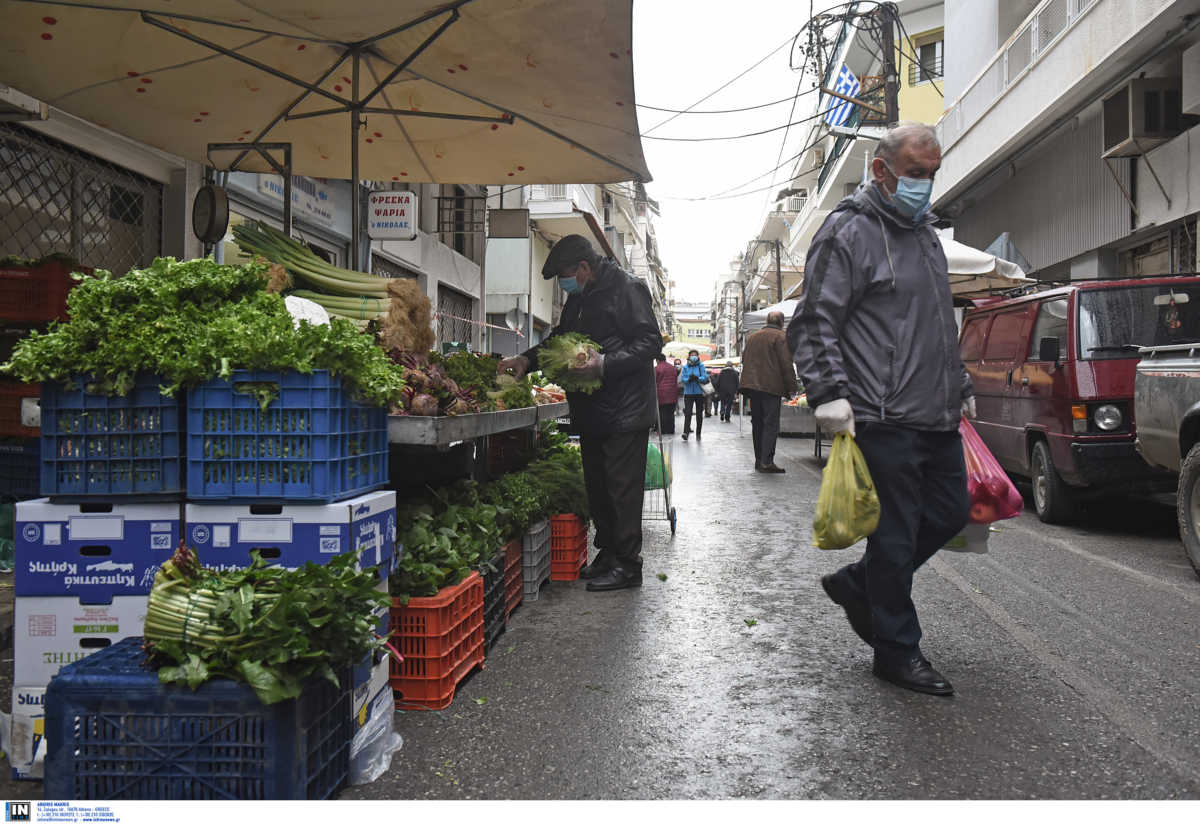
49, 633
27, 751
292, 534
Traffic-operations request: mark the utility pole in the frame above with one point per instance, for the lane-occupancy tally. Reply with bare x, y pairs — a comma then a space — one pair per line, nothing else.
778, 272
890, 75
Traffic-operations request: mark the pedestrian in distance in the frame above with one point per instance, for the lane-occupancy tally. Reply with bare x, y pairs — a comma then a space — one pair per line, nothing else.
727, 389
694, 377
767, 378
666, 382
678, 384
877, 350
613, 308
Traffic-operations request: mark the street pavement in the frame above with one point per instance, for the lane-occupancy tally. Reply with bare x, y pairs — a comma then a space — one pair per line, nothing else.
1073, 649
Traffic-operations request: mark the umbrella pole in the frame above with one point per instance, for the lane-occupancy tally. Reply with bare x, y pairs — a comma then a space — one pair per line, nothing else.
355, 195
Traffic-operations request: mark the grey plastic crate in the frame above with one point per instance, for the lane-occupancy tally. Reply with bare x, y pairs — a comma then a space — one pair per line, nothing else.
535, 563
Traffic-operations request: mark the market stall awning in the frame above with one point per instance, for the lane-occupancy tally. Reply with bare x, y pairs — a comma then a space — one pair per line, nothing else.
469, 91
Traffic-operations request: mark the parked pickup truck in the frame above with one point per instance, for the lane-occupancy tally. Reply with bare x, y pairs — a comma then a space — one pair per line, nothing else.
1166, 403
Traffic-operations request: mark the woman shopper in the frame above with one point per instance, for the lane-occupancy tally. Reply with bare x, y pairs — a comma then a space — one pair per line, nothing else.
665, 379
694, 377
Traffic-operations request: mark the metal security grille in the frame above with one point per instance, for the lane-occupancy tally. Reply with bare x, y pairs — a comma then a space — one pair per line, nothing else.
385, 268
454, 316
57, 199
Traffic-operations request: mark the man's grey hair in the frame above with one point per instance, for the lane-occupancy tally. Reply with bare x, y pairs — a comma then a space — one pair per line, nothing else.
775, 319
904, 134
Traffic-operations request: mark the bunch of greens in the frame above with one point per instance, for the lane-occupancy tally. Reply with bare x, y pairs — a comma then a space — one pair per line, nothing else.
272, 628
191, 321
559, 475
474, 373
520, 499
444, 536
512, 393
561, 353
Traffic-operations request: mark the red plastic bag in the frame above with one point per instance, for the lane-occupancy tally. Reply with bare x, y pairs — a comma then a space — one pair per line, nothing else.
993, 496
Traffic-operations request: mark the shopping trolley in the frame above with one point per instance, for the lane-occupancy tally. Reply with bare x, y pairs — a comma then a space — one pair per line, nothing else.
656, 503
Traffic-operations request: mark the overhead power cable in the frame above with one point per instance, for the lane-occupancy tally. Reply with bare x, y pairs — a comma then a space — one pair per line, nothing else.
718, 111
768, 56
735, 136
739, 194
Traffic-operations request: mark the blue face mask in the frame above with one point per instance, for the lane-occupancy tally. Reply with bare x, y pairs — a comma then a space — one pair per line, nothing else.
693, 360
911, 198
570, 285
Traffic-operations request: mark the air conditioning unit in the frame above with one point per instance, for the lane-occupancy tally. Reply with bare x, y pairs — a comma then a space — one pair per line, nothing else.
1142, 114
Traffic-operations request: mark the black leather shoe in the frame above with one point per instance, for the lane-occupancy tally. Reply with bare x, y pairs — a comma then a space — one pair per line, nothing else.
758, 467
685, 434
772, 468
595, 569
916, 674
858, 612
615, 578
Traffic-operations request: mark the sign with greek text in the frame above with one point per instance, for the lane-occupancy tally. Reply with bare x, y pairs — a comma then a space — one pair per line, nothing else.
392, 216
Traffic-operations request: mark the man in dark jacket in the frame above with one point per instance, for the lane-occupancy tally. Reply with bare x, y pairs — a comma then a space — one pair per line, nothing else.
613, 308
767, 377
727, 389
877, 349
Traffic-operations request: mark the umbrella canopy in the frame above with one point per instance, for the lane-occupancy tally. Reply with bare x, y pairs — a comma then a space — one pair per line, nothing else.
469, 91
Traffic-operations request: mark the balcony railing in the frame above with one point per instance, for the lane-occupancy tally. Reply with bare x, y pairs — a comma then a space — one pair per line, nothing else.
1040, 31
548, 191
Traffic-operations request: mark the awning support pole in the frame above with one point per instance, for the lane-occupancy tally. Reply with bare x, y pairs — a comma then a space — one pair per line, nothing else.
355, 195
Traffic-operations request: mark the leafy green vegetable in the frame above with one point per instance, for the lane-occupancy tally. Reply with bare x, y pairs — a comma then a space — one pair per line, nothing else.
272, 628
559, 354
191, 321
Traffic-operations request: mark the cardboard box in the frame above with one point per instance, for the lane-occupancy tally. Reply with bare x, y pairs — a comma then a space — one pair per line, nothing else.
27, 752
49, 633
366, 692
92, 552
292, 534
362, 673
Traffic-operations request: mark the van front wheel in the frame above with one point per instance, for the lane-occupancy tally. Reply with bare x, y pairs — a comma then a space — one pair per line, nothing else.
1053, 499
1187, 506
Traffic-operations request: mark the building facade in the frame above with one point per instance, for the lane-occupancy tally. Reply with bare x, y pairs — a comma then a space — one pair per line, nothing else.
1068, 134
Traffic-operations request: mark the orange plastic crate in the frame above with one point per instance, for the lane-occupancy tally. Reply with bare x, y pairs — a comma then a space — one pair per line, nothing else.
566, 526
514, 588
36, 294
436, 615
565, 561
11, 394
434, 690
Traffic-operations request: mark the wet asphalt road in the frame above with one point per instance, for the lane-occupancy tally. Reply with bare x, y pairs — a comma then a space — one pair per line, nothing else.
1074, 651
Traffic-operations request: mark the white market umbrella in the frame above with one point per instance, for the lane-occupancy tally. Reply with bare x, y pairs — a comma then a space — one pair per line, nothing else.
468, 91
973, 272
753, 321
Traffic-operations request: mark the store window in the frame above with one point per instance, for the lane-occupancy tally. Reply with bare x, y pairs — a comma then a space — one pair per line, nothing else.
455, 311
928, 64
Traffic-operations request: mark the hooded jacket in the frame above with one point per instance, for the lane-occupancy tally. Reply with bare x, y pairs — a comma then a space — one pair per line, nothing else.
615, 311
694, 377
876, 322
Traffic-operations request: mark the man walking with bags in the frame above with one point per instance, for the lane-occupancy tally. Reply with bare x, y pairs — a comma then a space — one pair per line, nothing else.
877, 349
767, 378
613, 308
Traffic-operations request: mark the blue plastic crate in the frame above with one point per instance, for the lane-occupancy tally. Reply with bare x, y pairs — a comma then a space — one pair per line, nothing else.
313, 442
20, 461
114, 732
101, 445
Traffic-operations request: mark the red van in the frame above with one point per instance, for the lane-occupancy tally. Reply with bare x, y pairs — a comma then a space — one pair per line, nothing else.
1054, 376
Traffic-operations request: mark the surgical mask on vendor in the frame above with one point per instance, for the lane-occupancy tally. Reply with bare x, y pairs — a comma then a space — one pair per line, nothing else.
569, 285
911, 197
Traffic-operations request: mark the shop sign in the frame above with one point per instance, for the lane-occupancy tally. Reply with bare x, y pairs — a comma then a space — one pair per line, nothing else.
312, 199
392, 216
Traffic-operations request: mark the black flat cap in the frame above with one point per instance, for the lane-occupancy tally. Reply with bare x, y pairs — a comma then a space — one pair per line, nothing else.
566, 253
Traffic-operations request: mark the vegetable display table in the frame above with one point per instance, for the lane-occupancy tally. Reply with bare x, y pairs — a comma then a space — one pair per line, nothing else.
797, 420
445, 430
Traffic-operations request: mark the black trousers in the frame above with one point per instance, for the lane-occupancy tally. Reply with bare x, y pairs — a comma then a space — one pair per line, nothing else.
666, 418
764, 424
614, 472
726, 407
921, 481
691, 402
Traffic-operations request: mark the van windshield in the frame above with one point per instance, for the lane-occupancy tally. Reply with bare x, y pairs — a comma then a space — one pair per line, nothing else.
1113, 323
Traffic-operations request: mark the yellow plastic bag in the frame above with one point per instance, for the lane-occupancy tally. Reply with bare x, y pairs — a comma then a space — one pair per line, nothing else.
847, 506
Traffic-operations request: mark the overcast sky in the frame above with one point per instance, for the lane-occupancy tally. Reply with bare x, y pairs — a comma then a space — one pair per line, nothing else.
681, 53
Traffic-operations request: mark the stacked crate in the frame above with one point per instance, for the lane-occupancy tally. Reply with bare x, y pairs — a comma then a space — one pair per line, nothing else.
514, 588
568, 547
494, 617
536, 559
441, 639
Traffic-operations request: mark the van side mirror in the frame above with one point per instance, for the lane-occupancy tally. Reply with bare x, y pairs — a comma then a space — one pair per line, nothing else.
1048, 350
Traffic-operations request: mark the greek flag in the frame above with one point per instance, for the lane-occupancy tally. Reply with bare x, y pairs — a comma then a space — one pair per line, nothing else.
839, 110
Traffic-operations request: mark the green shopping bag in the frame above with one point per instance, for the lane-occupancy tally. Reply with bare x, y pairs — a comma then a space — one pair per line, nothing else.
847, 506
658, 468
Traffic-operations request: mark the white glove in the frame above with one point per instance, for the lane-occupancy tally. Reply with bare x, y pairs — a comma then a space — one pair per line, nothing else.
968, 407
592, 369
836, 416
518, 365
